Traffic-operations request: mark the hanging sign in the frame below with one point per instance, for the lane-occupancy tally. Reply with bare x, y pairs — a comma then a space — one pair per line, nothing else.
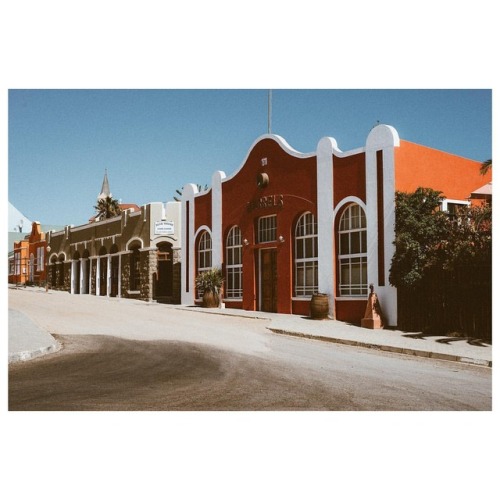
164, 227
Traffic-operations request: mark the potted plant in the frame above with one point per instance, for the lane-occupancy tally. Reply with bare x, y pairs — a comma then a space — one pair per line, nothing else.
209, 284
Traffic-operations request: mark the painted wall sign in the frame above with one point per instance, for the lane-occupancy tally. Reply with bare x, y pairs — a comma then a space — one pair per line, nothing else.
164, 227
274, 200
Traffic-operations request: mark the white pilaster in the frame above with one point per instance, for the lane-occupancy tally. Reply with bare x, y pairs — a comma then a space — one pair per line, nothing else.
108, 276
217, 246
326, 247
188, 263
98, 277
381, 138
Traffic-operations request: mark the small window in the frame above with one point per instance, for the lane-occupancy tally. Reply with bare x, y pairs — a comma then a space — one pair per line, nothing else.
234, 267
267, 229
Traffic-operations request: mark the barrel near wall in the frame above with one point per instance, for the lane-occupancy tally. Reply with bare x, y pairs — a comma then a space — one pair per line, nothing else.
319, 306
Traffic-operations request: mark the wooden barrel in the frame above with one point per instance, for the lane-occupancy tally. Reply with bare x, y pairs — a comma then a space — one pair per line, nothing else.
319, 306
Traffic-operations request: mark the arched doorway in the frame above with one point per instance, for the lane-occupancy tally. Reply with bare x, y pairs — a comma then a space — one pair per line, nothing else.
60, 265
53, 271
103, 271
164, 274
75, 273
85, 278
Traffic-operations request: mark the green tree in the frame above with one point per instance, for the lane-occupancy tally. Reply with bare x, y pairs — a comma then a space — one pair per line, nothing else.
107, 207
420, 228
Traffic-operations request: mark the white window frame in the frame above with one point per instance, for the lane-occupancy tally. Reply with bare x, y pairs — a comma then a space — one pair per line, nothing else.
234, 248
205, 249
303, 233
354, 262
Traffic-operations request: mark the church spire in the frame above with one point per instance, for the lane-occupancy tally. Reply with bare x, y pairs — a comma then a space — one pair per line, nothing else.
105, 192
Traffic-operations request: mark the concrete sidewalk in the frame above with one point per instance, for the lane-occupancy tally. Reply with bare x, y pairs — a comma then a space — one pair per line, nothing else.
443, 347
26, 339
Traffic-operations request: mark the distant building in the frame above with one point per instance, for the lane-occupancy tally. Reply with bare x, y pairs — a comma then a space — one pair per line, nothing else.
287, 225
27, 261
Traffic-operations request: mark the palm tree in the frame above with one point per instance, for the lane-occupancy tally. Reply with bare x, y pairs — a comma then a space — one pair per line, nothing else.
485, 167
107, 207
200, 189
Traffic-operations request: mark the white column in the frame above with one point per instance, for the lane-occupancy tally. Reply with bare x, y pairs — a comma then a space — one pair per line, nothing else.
382, 138
326, 247
108, 277
217, 244
98, 277
73, 276
89, 263
188, 254
119, 275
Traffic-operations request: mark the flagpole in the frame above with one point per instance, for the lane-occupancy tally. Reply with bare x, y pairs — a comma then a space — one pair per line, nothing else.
269, 110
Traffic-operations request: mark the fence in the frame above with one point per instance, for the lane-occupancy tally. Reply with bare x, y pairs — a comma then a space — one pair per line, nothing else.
450, 302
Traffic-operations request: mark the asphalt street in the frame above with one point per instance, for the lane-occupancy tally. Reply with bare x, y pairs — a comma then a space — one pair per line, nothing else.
131, 355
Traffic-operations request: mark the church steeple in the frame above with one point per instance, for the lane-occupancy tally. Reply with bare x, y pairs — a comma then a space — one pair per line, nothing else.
105, 192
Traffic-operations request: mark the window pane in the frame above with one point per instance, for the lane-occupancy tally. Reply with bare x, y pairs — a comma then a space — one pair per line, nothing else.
344, 244
355, 246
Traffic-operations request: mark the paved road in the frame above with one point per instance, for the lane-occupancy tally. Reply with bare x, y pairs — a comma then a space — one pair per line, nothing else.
128, 355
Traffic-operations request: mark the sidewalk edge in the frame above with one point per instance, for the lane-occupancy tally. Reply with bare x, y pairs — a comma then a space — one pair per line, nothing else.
397, 350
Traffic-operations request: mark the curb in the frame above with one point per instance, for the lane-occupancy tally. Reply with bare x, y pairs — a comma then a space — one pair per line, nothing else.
27, 355
397, 350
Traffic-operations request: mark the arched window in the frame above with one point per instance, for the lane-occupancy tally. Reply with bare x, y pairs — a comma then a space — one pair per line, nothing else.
353, 252
234, 266
205, 252
306, 256
204, 255
135, 268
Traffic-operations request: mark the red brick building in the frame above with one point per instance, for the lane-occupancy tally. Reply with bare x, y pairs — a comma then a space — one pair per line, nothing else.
286, 225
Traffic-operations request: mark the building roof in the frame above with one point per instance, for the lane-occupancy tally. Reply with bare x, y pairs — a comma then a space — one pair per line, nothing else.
105, 192
485, 191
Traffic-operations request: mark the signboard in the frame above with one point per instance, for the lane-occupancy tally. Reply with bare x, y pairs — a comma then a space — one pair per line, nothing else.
164, 227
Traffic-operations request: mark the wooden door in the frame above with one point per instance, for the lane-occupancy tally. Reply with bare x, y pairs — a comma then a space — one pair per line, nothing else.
268, 280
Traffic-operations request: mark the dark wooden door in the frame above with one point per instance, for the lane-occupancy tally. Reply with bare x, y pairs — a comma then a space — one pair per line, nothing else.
103, 276
114, 276
268, 280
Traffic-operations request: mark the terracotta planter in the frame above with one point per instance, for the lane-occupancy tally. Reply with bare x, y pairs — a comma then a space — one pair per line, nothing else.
210, 299
319, 306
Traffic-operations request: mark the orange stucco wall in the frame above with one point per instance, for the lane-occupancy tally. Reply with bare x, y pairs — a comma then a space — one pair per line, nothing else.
24, 249
421, 166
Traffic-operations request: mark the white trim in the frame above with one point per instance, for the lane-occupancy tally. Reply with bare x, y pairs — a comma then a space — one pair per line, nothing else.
188, 253
279, 140
217, 244
351, 298
349, 200
131, 240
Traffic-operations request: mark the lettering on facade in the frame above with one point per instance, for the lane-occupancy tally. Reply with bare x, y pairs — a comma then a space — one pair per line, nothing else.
164, 227
271, 201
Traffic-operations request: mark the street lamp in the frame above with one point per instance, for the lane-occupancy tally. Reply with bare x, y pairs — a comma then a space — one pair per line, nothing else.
47, 269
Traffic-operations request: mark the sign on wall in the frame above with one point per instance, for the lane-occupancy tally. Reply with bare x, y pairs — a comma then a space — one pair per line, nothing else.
164, 227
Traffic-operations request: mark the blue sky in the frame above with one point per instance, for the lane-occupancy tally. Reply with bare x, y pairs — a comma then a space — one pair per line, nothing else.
59, 144
152, 142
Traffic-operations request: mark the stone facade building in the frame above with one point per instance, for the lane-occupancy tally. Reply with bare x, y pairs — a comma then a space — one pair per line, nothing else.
133, 255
